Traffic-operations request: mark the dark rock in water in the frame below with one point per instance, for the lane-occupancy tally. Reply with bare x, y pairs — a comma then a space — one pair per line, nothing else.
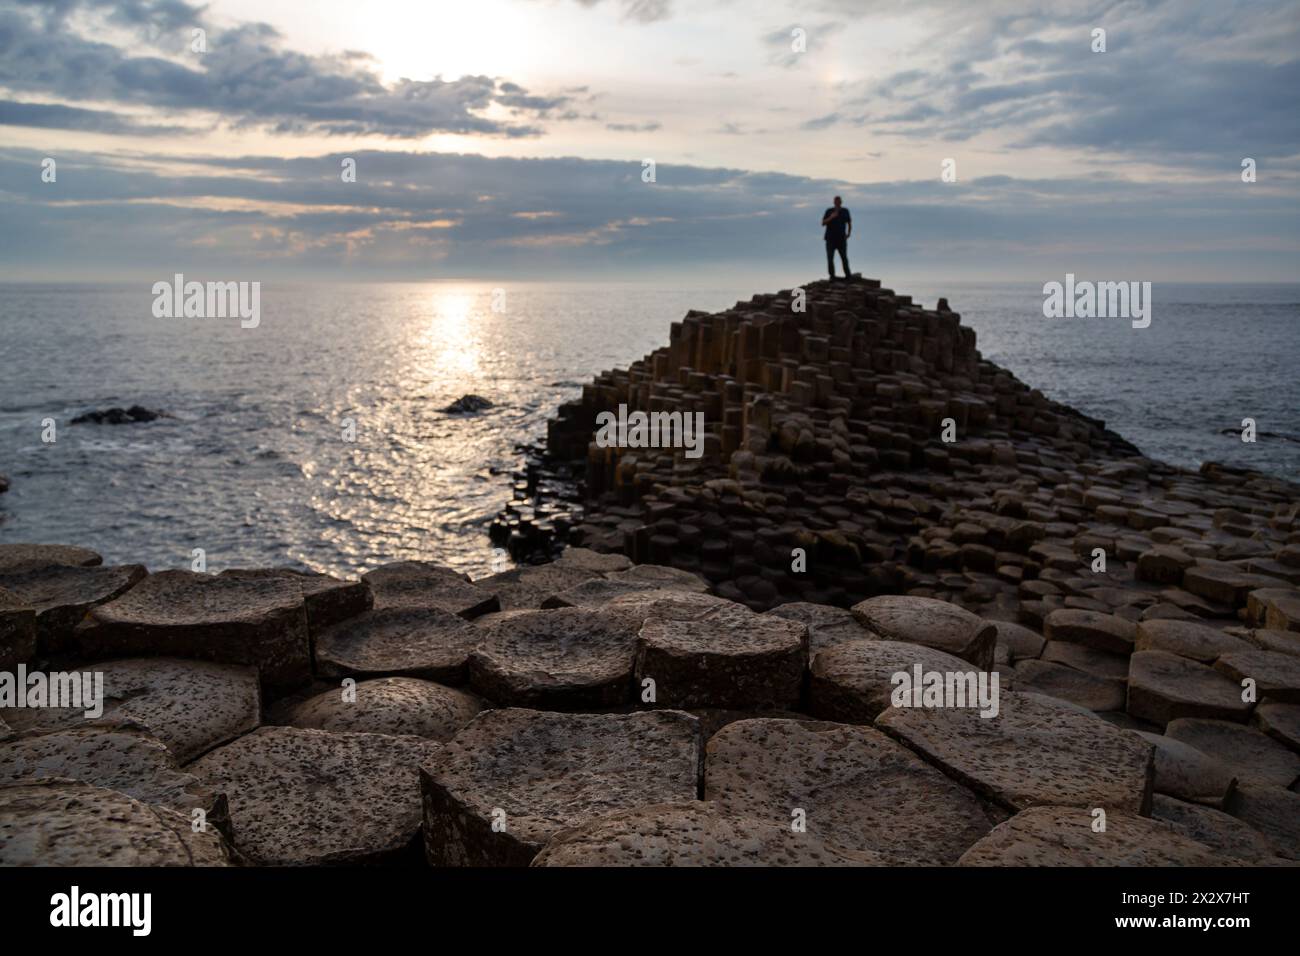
4, 484
119, 416
467, 405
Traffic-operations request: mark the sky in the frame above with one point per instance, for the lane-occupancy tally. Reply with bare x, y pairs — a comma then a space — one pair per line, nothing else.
516, 138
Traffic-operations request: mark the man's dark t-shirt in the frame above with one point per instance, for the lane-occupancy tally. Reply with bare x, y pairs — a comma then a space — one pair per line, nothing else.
835, 228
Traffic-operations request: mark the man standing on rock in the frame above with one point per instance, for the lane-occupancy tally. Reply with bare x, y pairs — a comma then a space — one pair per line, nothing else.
839, 226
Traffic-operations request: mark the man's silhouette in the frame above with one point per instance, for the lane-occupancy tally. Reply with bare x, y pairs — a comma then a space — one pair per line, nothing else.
839, 226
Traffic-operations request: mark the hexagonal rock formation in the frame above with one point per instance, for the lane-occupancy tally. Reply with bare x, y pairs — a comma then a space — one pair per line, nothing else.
1279, 721
399, 706
527, 588
191, 706
691, 834
1036, 751
1215, 829
1163, 687
513, 778
566, 658
70, 823
1079, 687
852, 683
17, 631
587, 560
1276, 676
827, 626
1014, 642
399, 641
227, 620
311, 797
596, 592
658, 576
1255, 758
1272, 811
858, 790
36, 555
328, 599
938, 624
1189, 774
1199, 642
423, 584
730, 657
1063, 836
1102, 632
62, 594
116, 755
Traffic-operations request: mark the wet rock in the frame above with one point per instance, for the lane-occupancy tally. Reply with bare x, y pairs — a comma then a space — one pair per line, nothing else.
1164, 687
1279, 721
400, 641
1063, 836
311, 797
852, 683
17, 631
467, 405
1272, 811
728, 657
1198, 642
1036, 751
118, 416
62, 595
1079, 687
1102, 632
70, 823
1215, 829
938, 624
859, 791
1184, 772
1276, 676
1255, 758
567, 658
398, 706
259, 622
827, 626
22, 556
425, 585
535, 773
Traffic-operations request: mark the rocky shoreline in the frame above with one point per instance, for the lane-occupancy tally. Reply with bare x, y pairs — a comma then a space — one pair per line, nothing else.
710, 678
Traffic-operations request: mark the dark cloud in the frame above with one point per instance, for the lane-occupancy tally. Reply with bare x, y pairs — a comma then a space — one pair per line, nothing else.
57, 116
643, 11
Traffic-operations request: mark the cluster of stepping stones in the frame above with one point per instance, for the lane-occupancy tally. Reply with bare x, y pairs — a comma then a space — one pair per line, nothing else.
595, 712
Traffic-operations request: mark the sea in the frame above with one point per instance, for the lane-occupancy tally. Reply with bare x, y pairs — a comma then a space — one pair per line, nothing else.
320, 439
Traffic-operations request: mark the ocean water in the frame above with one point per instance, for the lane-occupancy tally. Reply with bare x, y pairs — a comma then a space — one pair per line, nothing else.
253, 467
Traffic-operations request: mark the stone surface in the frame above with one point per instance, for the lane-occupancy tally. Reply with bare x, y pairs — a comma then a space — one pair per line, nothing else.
425, 585
17, 631
937, 624
1019, 642
312, 797
827, 626
1272, 811
1279, 721
34, 555
260, 622
659, 576
852, 683
858, 790
399, 641
587, 560
527, 588
1186, 639
1215, 829
1063, 836
1036, 751
1164, 687
538, 773
728, 657
1184, 772
565, 658
1100, 631
1068, 683
1254, 757
328, 599
62, 594
1276, 676
69, 823
399, 706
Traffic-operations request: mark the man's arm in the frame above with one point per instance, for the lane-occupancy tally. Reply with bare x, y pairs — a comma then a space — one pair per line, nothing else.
848, 225
830, 214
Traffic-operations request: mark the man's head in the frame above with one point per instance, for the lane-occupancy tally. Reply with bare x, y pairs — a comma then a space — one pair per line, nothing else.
838, 202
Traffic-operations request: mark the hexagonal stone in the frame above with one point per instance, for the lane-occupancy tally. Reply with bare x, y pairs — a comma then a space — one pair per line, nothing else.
658, 576
117, 755
528, 588
1036, 751
328, 599
1163, 564
1260, 600
312, 797
1186, 639
1225, 583
425, 585
566, 658
34, 555
399, 641
191, 706
17, 631
852, 683
1102, 632
827, 626
227, 620
1284, 642
1063, 836
1082, 657
1184, 772
595, 593
1279, 721
1164, 687
938, 624
1015, 642
1272, 811
859, 790
666, 604
535, 773
1276, 676
1079, 687
587, 560
696, 833
399, 706
729, 657
70, 823
1255, 758
1214, 829
62, 594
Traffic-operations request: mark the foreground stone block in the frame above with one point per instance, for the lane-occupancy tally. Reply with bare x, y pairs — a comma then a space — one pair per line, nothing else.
1100, 631
69, 823
827, 626
1279, 721
399, 641
1017, 642
1036, 751
536, 773
938, 624
261, 622
1063, 836
17, 631
61, 595
1272, 811
1215, 829
852, 683
328, 599
729, 657
1276, 676
399, 706
1254, 757
587, 560
859, 791
35, 555
310, 797
658, 576
1164, 687
528, 588
1199, 642
1189, 774
1067, 683
425, 585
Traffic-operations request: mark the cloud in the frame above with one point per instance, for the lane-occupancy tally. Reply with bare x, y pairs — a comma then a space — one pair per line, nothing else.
57, 116
643, 11
633, 127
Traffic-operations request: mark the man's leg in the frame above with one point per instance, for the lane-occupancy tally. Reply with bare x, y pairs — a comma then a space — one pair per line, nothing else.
830, 257
844, 256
